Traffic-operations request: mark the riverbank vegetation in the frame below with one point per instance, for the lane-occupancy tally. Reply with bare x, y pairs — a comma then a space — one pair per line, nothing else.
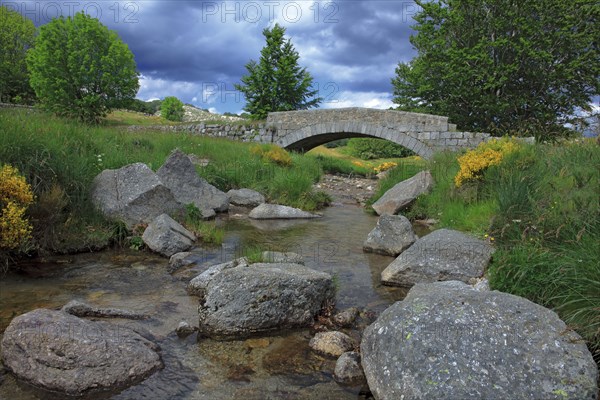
59, 159
539, 205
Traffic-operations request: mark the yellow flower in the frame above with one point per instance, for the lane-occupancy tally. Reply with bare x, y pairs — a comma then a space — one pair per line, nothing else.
15, 196
474, 162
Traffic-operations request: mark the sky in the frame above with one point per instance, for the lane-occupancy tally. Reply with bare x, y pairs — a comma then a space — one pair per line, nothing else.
197, 50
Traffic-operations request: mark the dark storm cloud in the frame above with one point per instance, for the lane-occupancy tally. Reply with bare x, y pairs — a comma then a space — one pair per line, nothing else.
183, 46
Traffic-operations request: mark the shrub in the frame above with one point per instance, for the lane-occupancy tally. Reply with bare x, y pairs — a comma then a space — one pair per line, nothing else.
385, 166
172, 109
272, 153
15, 196
474, 162
370, 148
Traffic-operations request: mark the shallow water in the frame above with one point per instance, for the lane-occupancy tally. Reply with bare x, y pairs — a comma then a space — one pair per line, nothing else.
273, 367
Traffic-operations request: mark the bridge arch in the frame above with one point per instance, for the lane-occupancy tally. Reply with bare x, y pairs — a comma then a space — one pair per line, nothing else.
311, 136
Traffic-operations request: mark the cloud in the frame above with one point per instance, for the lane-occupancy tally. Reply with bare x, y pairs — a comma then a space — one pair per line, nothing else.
197, 50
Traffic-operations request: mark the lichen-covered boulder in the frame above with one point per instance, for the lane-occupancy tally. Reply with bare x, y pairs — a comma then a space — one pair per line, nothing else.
178, 173
245, 197
443, 255
167, 237
447, 340
391, 236
133, 194
59, 352
248, 299
404, 193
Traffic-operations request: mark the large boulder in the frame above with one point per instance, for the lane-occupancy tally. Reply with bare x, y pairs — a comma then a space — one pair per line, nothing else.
179, 174
167, 237
403, 193
133, 194
245, 197
391, 236
256, 298
443, 255
449, 341
59, 352
276, 211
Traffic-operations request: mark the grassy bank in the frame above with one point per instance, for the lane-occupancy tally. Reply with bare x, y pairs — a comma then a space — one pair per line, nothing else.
60, 158
540, 208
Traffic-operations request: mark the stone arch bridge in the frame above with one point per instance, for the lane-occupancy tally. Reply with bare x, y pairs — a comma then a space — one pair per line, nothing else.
303, 130
422, 133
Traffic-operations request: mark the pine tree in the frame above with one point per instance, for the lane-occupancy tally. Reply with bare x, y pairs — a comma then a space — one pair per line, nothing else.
277, 82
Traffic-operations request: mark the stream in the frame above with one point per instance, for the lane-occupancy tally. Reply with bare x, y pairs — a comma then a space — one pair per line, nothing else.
273, 367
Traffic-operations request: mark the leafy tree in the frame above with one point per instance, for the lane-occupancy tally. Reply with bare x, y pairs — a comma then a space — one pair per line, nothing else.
277, 82
503, 66
79, 68
16, 37
171, 108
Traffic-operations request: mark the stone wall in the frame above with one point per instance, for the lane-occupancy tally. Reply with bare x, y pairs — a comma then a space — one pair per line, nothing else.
245, 133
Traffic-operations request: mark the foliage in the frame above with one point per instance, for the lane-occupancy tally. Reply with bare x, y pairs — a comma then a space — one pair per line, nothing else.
208, 232
15, 196
371, 148
81, 69
337, 143
474, 162
146, 107
172, 109
272, 153
277, 82
502, 67
16, 37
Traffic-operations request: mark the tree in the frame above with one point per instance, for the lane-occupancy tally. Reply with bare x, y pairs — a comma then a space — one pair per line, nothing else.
503, 66
79, 68
277, 82
172, 109
16, 37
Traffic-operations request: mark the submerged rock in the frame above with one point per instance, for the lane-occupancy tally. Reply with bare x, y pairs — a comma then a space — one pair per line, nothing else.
348, 369
391, 236
347, 317
332, 343
184, 329
404, 193
133, 194
167, 237
178, 173
276, 211
244, 300
80, 309
59, 352
245, 197
197, 286
443, 255
446, 340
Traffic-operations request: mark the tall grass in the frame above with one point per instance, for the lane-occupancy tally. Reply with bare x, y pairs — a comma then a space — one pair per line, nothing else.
541, 208
60, 158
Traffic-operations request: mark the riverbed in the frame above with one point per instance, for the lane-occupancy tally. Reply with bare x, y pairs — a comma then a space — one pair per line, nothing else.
271, 367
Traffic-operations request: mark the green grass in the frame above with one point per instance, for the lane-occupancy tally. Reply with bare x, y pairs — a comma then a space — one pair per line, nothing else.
540, 206
60, 158
126, 117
